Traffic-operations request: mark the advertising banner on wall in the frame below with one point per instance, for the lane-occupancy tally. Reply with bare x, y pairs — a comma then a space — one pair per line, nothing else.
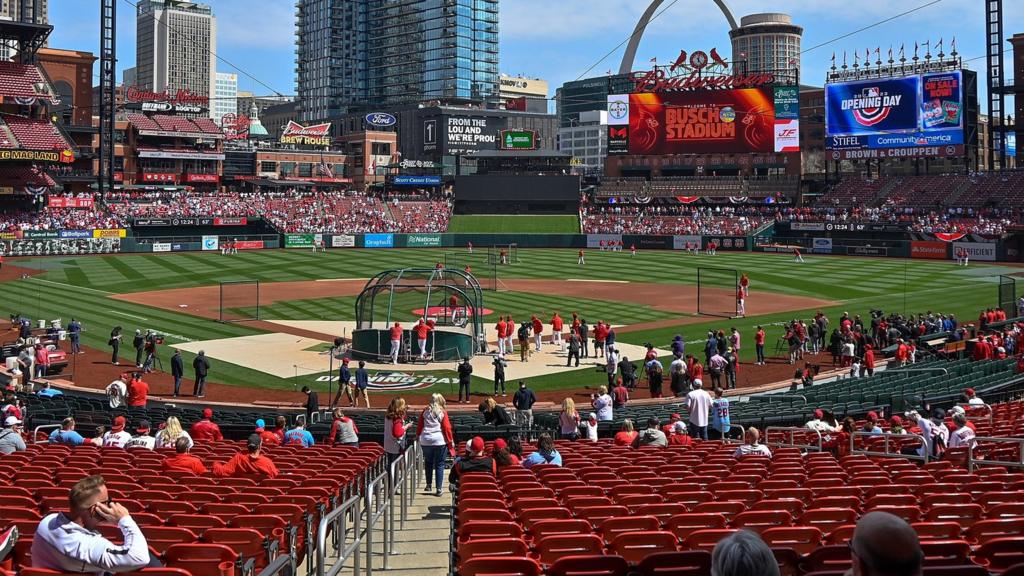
161, 247
928, 250
343, 241
379, 240
298, 240
211, 243
249, 244
821, 246
416, 181
729, 243
984, 251
423, 240
75, 234
704, 122
867, 251
618, 110
58, 202
466, 134
602, 240
681, 242
60, 246
110, 233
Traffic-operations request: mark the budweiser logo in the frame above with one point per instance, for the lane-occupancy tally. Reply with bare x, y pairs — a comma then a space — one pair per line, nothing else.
295, 129
136, 94
658, 81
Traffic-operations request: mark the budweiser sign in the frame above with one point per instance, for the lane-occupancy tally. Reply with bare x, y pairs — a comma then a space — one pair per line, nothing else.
135, 94
318, 135
658, 81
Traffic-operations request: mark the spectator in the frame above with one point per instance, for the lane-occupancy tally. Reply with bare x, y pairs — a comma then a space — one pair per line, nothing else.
182, 461
751, 445
117, 436
47, 391
474, 461
116, 391
206, 430
201, 365
503, 457
743, 553
569, 420
544, 454
963, 436
343, 431
142, 439
896, 425
523, 401
871, 424
297, 436
602, 403
71, 542
590, 427
679, 437
10, 438
434, 431
494, 413
66, 434
626, 434
698, 403
97, 440
362, 384
280, 427
177, 371
168, 437
620, 394
395, 428
972, 398
720, 420
138, 392
249, 463
651, 436
42, 361
885, 545
312, 403
819, 424
268, 437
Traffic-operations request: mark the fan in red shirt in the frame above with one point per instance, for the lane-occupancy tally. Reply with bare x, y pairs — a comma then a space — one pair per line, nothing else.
268, 437
138, 391
249, 463
206, 430
902, 353
696, 370
759, 337
869, 360
1000, 315
182, 461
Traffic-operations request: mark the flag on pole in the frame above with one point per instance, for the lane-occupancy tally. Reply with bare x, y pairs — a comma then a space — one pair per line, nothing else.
902, 53
939, 46
324, 169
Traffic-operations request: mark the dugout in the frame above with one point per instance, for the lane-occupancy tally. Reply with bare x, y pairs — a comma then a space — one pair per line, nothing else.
449, 297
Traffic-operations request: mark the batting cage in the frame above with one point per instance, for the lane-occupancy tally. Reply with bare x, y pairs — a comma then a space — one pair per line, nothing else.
486, 273
450, 300
239, 300
1008, 296
717, 292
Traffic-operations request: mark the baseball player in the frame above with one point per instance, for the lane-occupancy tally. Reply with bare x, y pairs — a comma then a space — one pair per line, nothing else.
538, 329
745, 284
422, 329
396, 342
510, 330
632, 249
500, 329
796, 255
556, 331
579, 260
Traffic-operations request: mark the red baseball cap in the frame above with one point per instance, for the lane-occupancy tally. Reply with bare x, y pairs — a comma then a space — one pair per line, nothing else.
344, 360
872, 415
207, 413
896, 420
119, 423
969, 391
676, 417
819, 414
500, 443
476, 444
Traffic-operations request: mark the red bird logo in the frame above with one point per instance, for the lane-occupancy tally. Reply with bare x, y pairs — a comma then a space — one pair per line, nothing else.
716, 59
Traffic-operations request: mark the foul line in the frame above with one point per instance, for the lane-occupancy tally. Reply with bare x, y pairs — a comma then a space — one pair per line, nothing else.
338, 279
71, 286
604, 281
128, 315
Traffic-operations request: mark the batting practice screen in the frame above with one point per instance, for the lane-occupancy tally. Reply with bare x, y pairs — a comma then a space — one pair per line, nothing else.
716, 292
239, 300
1008, 296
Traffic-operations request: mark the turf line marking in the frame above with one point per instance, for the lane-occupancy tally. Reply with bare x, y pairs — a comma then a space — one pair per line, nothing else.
337, 279
71, 286
589, 280
128, 315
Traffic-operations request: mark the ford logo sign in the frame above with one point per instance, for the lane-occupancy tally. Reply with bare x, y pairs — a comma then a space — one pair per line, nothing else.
381, 119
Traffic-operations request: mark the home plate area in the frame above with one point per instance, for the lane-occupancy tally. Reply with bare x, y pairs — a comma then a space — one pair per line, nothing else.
286, 355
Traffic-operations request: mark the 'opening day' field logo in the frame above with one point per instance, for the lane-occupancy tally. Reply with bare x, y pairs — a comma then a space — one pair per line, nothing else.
390, 381
872, 106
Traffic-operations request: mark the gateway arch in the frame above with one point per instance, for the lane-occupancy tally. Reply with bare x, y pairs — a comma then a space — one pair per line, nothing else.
626, 66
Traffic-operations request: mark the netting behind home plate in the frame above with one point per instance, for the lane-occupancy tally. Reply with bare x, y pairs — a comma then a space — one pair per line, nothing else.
716, 292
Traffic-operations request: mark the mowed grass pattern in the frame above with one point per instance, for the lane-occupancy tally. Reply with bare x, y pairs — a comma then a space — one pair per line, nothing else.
80, 286
502, 224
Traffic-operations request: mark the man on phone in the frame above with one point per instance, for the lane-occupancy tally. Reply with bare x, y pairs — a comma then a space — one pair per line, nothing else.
71, 542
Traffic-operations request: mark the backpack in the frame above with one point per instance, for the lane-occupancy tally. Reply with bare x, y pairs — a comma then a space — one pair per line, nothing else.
523, 333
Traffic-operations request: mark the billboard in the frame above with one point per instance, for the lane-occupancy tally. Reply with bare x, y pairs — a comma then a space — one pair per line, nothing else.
618, 110
295, 133
910, 112
928, 249
467, 134
704, 122
977, 250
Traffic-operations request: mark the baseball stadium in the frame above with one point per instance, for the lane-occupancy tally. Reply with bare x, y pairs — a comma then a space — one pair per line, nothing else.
704, 318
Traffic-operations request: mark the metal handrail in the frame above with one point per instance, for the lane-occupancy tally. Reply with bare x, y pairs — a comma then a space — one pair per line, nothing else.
887, 454
35, 432
989, 417
792, 430
278, 566
971, 462
343, 552
374, 490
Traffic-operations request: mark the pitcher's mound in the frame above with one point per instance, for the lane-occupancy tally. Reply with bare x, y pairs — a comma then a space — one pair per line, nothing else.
441, 311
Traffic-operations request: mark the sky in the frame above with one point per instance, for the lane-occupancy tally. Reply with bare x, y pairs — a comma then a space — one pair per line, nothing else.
560, 40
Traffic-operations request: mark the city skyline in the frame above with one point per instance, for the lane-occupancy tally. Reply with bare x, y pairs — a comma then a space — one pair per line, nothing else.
261, 42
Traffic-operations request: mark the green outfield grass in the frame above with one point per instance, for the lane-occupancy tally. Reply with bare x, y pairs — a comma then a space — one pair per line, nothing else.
81, 286
503, 224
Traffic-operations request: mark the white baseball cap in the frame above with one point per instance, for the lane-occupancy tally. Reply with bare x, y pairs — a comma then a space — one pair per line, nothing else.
11, 421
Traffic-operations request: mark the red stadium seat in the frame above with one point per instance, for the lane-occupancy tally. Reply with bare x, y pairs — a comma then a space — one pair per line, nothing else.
802, 539
682, 525
554, 527
706, 539
487, 529
202, 559
160, 538
594, 565
945, 552
937, 530
1000, 554
985, 530
634, 546
551, 548
492, 547
687, 563
501, 566
828, 558
612, 527
758, 520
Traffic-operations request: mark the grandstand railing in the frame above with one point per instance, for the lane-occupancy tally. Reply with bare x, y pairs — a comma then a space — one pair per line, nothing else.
338, 518
283, 565
886, 453
35, 433
791, 432
972, 462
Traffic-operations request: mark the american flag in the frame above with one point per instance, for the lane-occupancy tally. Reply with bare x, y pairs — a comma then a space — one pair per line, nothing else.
325, 170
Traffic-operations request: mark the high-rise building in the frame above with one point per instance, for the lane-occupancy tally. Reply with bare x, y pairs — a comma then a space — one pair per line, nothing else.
225, 96
176, 43
419, 50
766, 43
24, 10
